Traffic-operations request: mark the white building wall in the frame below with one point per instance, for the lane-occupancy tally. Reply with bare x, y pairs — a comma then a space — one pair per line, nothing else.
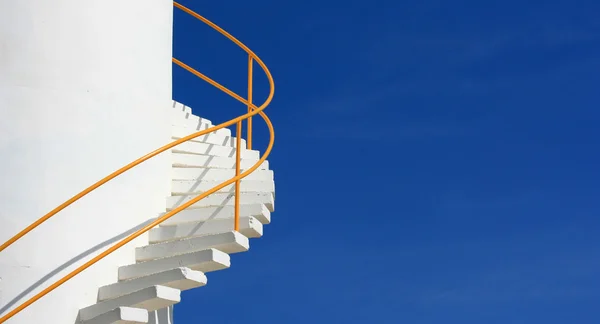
85, 88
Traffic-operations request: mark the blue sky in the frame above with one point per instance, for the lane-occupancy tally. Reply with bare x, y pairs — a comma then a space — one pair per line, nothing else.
435, 161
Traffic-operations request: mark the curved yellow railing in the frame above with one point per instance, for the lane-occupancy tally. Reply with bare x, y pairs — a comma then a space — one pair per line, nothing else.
252, 110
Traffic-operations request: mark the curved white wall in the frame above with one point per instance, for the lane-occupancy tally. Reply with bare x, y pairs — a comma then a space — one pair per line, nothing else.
85, 87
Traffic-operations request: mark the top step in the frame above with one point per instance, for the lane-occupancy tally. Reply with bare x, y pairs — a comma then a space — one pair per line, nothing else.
186, 112
182, 116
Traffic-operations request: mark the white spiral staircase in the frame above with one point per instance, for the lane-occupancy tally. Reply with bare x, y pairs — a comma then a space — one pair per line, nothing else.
197, 240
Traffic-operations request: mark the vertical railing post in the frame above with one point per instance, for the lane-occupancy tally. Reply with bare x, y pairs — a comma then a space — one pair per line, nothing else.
249, 139
238, 145
238, 151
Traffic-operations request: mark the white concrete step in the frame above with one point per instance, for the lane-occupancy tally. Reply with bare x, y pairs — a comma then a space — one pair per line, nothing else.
179, 278
205, 261
212, 149
258, 211
183, 109
209, 174
179, 119
178, 132
215, 162
180, 111
121, 315
194, 126
161, 316
195, 123
150, 298
249, 227
224, 199
188, 115
182, 115
229, 242
188, 187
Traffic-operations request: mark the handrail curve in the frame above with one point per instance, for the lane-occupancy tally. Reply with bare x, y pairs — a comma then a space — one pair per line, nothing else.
252, 110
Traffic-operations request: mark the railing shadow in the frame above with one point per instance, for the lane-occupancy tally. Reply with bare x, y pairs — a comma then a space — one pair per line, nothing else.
65, 265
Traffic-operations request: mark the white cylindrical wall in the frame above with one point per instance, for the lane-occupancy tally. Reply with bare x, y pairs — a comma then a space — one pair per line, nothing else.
85, 88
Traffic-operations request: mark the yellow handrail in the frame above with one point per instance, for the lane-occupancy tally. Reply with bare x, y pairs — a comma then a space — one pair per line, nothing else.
252, 110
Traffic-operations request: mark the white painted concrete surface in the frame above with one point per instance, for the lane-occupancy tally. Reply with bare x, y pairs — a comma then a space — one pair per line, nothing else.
185, 187
73, 108
259, 211
151, 298
228, 242
205, 261
179, 278
85, 87
197, 240
224, 199
249, 226
121, 315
